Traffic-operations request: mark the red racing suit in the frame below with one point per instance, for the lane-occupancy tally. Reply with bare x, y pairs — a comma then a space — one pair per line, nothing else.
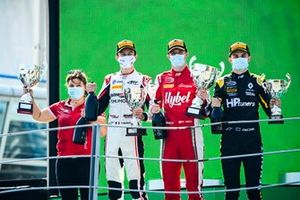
175, 93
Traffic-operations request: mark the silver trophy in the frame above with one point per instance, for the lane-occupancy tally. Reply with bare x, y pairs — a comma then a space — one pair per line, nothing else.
30, 75
204, 76
276, 88
135, 98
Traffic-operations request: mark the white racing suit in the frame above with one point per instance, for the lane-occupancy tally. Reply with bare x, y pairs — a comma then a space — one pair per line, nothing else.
112, 95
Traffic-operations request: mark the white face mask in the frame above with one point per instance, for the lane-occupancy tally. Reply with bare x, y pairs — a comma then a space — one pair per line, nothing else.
126, 61
75, 92
177, 60
240, 64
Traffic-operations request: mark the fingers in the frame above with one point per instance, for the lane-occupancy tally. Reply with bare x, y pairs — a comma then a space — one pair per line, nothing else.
276, 102
202, 94
155, 108
91, 87
82, 113
216, 102
138, 113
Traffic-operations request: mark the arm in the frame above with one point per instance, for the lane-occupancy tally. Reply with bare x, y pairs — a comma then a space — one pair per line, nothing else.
44, 115
104, 95
264, 100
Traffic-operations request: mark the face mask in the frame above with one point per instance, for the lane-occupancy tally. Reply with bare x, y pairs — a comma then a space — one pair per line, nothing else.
75, 92
177, 60
126, 61
239, 64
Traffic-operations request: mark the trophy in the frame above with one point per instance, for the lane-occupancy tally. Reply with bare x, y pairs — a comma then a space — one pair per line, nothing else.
158, 119
30, 75
276, 88
135, 98
204, 76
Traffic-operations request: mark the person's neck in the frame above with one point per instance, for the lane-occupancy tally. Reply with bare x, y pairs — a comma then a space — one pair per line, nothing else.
239, 72
74, 103
125, 71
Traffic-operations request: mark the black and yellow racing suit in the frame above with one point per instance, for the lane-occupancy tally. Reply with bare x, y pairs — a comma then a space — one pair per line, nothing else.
241, 95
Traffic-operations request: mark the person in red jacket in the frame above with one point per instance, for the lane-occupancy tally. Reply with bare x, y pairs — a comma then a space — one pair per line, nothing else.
174, 95
70, 171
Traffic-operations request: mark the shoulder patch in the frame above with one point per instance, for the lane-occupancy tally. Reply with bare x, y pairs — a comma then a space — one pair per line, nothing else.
259, 78
108, 78
220, 82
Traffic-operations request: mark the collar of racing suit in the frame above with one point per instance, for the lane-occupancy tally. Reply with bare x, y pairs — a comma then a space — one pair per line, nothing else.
240, 76
177, 73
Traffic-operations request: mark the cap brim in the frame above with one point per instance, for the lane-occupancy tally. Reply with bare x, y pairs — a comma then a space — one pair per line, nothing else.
239, 49
176, 47
126, 47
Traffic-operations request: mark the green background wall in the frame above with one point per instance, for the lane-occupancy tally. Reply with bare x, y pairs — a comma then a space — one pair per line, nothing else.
89, 31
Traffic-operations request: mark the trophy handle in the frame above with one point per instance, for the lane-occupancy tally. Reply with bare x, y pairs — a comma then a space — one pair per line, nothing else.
289, 80
222, 65
191, 61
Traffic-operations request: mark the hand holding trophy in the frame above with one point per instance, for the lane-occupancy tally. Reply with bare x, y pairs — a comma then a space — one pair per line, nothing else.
158, 118
30, 75
276, 88
135, 98
204, 76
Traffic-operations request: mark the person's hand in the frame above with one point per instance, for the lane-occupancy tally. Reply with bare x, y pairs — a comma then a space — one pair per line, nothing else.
275, 102
155, 108
202, 94
91, 87
216, 102
82, 114
138, 113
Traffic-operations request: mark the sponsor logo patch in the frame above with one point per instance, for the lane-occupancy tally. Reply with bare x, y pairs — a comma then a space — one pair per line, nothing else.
236, 102
116, 86
231, 83
177, 99
169, 80
250, 94
168, 86
231, 90
133, 82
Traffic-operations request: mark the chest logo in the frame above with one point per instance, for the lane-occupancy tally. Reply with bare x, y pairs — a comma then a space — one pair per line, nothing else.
250, 85
176, 100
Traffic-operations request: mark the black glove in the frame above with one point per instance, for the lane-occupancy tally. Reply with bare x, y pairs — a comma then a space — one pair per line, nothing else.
216, 116
79, 135
158, 119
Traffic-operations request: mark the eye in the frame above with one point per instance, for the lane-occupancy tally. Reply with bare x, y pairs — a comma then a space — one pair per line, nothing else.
234, 56
244, 55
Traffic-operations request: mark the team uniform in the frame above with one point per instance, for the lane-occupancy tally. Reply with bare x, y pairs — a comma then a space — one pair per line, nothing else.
66, 116
241, 95
117, 143
175, 93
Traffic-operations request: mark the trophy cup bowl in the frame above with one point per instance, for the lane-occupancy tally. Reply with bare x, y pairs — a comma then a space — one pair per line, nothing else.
30, 75
135, 98
204, 76
276, 88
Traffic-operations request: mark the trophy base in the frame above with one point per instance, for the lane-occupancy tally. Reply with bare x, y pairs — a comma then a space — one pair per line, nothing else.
135, 132
277, 119
25, 108
195, 112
